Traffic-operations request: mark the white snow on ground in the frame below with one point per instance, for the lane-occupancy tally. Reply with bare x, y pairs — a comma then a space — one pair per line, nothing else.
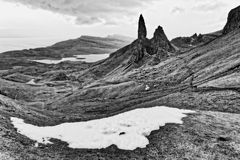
127, 130
31, 82
86, 58
147, 87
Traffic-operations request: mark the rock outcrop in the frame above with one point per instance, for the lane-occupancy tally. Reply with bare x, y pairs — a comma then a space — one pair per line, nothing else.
160, 41
142, 30
139, 45
142, 51
186, 43
159, 44
233, 21
138, 51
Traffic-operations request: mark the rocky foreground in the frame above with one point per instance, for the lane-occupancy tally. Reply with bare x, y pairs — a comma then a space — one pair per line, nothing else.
201, 75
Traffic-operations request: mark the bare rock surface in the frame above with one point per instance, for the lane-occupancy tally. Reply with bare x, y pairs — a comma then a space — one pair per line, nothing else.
142, 30
160, 41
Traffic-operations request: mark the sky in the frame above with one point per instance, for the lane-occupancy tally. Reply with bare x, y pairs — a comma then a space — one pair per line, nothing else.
73, 18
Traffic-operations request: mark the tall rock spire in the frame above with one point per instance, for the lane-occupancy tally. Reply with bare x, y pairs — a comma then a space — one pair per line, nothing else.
142, 31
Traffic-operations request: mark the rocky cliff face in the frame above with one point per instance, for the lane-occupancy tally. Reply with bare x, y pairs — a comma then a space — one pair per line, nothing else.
233, 21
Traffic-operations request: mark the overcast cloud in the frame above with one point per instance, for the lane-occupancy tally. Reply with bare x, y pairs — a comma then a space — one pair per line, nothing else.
91, 11
209, 5
177, 10
178, 17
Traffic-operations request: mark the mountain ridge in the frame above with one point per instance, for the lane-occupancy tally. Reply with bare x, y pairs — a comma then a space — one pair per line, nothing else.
102, 45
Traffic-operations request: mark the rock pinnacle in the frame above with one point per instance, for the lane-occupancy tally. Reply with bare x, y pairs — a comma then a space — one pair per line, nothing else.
142, 31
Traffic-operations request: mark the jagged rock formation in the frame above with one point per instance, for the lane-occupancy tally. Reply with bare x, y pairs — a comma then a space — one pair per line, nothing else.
233, 21
160, 41
159, 44
185, 43
140, 52
139, 48
142, 30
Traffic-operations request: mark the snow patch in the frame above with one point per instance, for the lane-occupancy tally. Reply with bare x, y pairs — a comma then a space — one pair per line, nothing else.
127, 130
147, 87
36, 144
31, 82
